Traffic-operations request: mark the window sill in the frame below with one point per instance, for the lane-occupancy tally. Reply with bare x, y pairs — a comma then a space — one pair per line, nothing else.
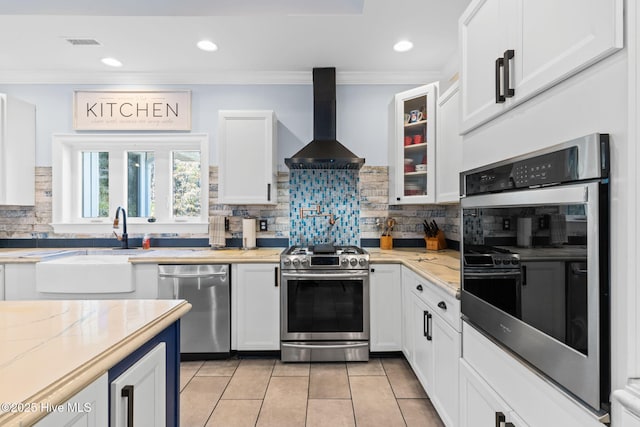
133, 228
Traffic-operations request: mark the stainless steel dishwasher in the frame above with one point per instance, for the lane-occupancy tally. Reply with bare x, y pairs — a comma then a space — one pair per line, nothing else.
205, 331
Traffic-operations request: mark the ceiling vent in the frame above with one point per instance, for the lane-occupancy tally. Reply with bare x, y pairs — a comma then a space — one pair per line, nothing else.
84, 42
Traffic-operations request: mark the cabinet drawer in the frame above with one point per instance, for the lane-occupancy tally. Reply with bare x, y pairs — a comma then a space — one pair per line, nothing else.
445, 305
521, 387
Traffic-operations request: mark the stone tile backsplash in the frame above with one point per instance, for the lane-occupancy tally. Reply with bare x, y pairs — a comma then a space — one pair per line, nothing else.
359, 200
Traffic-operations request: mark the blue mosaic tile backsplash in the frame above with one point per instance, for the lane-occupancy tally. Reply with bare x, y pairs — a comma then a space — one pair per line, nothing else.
336, 192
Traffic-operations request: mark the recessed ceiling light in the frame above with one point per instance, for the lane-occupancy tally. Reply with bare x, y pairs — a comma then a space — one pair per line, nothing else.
207, 45
403, 46
112, 62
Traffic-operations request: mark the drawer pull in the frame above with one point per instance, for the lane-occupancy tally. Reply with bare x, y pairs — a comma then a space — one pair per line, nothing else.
419, 287
442, 305
127, 393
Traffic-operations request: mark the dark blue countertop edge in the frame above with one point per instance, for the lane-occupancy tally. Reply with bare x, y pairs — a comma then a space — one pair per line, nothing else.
176, 242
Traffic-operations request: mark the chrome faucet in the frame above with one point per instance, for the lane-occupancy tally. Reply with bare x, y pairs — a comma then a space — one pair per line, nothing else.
124, 238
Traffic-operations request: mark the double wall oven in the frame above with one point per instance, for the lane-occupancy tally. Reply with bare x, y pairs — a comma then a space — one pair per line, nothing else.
324, 308
535, 273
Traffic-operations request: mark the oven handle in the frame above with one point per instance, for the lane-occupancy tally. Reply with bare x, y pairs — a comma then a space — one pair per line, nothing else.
325, 346
351, 275
492, 274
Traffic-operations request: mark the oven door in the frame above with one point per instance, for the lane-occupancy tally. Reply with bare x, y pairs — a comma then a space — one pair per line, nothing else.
577, 293
322, 305
499, 288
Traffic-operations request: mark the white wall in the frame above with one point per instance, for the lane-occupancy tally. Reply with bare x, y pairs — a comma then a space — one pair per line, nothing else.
362, 113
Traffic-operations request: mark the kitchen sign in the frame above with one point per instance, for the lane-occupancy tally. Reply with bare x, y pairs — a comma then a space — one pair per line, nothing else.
132, 110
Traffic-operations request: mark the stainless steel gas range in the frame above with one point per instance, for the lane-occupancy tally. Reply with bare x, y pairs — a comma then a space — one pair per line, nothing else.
324, 304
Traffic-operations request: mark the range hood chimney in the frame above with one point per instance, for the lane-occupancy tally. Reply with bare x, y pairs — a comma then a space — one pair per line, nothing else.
324, 152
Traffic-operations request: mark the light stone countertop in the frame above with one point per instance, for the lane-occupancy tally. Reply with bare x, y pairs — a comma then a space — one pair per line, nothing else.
563, 253
50, 350
440, 267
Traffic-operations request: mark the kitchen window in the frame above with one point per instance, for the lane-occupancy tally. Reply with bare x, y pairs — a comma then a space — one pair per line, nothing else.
160, 179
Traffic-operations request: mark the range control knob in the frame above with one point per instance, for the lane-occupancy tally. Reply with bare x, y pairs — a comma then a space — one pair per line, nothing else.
362, 262
287, 261
353, 261
345, 262
304, 261
296, 262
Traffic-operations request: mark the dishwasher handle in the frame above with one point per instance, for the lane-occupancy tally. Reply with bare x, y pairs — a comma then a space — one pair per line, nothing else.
193, 275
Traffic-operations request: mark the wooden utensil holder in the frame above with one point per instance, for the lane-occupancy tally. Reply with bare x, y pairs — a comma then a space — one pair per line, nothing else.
386, 242
436, 243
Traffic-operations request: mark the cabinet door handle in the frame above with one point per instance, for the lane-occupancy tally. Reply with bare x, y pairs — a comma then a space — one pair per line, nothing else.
373, 270
429, 319
500, 419
269, 192
398, 198
442, 305
419, 287
508, 56
127, 392
277, 276
425, 324
499, 96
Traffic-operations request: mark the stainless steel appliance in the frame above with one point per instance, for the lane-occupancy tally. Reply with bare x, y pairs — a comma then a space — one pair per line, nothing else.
205, 331
324, 308
544, 298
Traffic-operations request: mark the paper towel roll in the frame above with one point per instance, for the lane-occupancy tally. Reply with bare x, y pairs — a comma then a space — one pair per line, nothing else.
248, 233
557, 230
524, 232
216, 232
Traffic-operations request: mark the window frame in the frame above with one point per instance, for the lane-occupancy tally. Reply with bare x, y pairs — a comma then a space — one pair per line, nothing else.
67, 181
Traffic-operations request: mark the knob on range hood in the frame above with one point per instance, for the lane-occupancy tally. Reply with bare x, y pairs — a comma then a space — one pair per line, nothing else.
324, 152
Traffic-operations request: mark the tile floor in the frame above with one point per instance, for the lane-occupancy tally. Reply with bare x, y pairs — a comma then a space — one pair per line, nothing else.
267, 392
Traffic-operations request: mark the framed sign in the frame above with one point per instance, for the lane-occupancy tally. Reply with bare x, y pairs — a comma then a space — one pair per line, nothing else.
132, 110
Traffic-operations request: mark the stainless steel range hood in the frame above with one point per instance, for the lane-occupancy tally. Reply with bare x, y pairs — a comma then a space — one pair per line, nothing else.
324, 152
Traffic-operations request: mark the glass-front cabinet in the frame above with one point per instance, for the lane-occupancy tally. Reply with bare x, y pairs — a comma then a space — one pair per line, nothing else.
412, 146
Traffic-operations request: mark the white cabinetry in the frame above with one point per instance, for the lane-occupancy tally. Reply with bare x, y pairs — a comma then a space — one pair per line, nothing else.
17, 152
431, 342
506, 59
255, 307
138, 395
385, 294
247, 159
412, 146
480, 405
519, 391
88, 408
409, 282
449, 147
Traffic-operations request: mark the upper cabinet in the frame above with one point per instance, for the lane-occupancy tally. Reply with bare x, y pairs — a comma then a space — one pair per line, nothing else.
449, 150
412, 146
247, 160
17, 152
508, 57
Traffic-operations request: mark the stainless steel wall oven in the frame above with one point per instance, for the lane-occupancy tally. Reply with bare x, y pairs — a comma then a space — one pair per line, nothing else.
535, 271
324, 306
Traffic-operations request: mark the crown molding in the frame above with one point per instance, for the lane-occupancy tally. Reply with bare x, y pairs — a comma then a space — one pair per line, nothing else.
215, 77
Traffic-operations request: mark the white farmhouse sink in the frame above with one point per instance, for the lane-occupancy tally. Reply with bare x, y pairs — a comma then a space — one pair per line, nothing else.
85, 274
